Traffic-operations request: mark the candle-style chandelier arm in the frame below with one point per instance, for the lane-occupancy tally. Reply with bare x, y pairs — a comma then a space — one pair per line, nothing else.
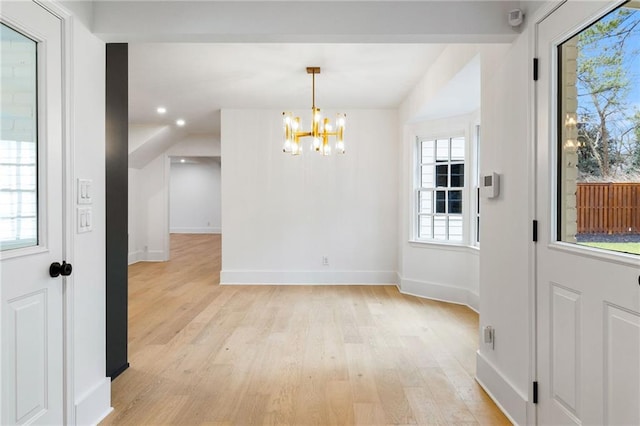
321, 129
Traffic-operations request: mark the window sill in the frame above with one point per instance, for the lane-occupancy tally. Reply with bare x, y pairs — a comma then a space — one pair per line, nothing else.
441, 245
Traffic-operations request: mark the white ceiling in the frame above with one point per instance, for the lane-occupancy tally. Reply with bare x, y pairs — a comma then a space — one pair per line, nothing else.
194, 160
195, 81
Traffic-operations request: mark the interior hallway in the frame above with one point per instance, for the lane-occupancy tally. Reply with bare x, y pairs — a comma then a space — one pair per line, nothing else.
201, 353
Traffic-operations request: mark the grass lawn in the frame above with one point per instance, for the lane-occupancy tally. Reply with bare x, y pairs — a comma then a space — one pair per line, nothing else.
633, 248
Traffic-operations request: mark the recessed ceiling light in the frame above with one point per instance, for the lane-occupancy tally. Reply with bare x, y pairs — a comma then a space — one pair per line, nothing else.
182, 160
161, 110
180, 122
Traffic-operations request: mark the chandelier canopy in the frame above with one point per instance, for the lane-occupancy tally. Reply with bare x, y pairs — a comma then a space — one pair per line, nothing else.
321, 128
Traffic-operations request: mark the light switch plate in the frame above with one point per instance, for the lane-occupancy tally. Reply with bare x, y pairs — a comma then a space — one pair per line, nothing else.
85, 191
84, 219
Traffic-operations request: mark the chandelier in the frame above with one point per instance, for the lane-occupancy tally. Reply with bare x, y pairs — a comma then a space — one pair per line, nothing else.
320, 131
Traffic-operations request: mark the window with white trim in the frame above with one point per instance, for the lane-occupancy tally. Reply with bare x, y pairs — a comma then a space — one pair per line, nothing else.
476, 183
440, 188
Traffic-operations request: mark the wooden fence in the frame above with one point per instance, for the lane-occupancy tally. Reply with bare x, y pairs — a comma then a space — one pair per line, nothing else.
608, 208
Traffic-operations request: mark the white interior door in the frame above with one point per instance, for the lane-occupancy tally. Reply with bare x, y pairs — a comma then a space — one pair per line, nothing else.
31, 215
588, 300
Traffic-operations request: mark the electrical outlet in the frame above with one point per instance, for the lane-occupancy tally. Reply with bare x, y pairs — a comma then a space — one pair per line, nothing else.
489, 336
325, 260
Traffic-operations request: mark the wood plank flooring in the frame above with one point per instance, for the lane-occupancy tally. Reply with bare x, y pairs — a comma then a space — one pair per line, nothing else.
205, 354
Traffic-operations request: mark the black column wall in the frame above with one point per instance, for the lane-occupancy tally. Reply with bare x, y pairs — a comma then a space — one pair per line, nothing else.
117, 152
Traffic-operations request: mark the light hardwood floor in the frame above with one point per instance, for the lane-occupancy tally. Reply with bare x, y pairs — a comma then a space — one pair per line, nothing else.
201, 353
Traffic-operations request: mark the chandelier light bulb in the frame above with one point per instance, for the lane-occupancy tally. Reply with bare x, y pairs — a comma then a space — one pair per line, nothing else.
288, 131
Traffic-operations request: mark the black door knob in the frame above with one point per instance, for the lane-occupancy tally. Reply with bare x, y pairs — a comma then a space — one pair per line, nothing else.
66, 269
56, 269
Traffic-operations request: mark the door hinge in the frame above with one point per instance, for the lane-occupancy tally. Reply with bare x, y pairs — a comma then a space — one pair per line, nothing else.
535, 69
535, 392
535, 231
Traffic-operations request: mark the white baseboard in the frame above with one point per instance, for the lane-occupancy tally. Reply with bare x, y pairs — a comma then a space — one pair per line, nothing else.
95, 404
134, 257
150, 256
308, 277
155, 256
203, 230
445, 293
473, 301
512, 403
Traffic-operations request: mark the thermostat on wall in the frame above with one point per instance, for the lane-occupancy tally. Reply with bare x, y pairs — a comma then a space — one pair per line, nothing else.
490, 184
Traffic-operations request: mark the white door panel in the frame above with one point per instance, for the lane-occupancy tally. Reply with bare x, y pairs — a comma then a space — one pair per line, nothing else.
588, 302
31, 301
622, 352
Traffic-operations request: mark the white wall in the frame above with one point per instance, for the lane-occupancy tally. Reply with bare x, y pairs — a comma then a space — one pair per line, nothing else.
149, 194
194, 196
139, 134
196, 145
281, 214
452, 62
149, 213
135, 239
82, 11
505, 262
91, 389
437, 270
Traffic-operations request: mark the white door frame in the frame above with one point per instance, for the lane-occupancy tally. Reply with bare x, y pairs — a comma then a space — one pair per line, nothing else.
68, 171
540, 15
